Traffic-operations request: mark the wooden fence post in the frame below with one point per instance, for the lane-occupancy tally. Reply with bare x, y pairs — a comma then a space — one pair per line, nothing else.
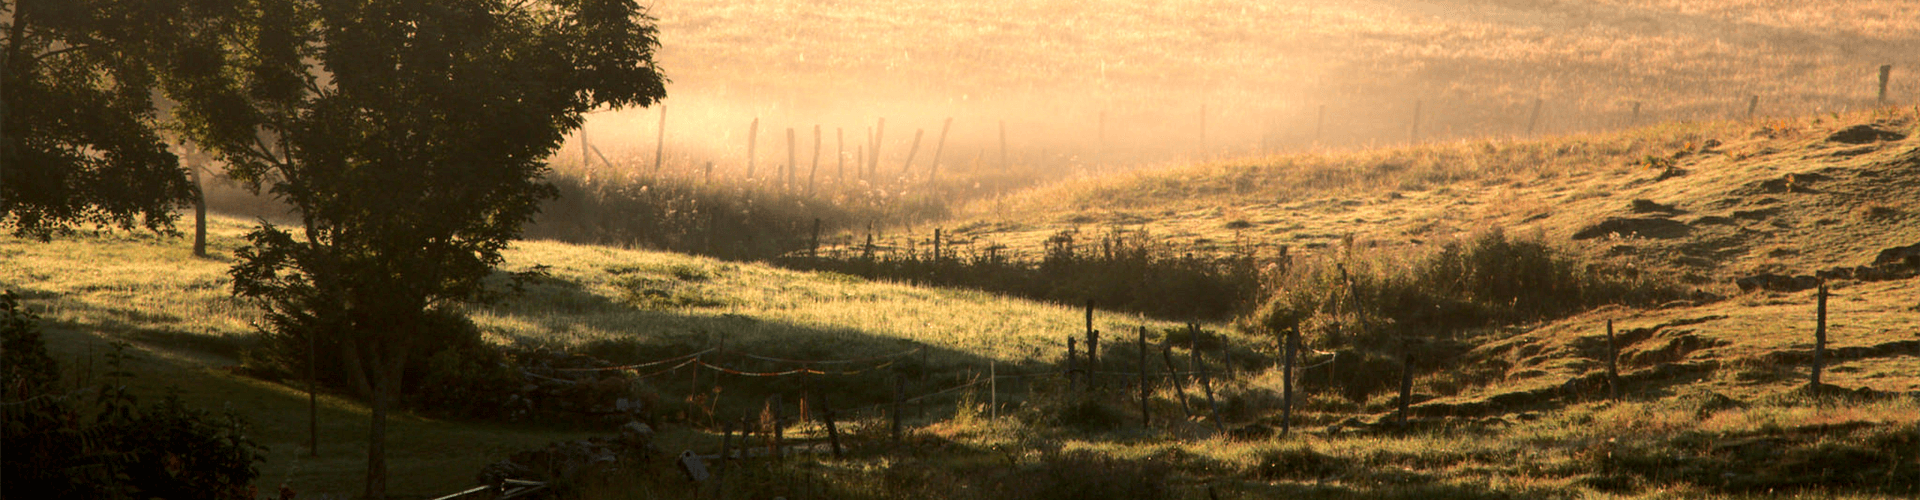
1820, 337
814, 250
1886, 73
873, 160
726, 453
816, 160
792, 164
1286, 380
993, 390
1635, 119
1145, 388
1534, 119
840, 156
936, 246
938, 147
912, 151
775, 438
1173, 376
753, 142
1073, 355
1206, 380
660, 141
1093, 349
833, 431
1753, 103
1613, 359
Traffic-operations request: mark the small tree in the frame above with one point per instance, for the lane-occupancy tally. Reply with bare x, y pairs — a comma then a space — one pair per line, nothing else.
78, 130
411, 137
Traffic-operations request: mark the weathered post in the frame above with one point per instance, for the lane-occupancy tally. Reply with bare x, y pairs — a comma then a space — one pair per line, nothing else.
707, 178
660, 141
1820, 336
938, 147
912, 151
792, 164
936, 246
840, 156
1145, 388
1073, 356
873, 160
586, 158
1286, 380
775, 439
814, 250
833, 431
1534, 119
726, 453
1613, 359
1635, 119
753, 141
1206, 380
1886, 73
1753, 103
1093, 349
1179, 384
816, 160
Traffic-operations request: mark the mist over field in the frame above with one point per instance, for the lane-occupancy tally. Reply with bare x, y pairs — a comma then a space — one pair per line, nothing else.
1262, 71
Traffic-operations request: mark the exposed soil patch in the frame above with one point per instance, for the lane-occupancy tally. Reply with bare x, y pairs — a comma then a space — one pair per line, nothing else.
1643, 227
1863, 134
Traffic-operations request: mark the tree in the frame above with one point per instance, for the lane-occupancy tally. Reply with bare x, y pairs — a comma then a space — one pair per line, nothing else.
411, 138
79, 140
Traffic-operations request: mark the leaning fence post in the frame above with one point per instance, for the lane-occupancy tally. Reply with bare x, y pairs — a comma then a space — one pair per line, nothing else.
660, 141
1820, 336
1206, 381
1753, 103
1173, 377
1073, 354
1886, 72
1613, 359
1534, 119
1145, 388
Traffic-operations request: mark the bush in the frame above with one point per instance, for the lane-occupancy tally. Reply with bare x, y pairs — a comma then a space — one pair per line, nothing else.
124, 450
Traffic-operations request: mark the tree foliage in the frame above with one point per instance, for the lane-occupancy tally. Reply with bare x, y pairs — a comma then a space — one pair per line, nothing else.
411, 137
79, 139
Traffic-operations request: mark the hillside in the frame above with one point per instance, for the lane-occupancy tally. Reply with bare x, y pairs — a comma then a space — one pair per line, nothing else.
1713, 395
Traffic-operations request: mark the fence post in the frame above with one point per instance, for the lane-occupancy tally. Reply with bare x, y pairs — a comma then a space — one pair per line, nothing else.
827, 415
816, 160
1145, 388
775, 438
1635, 120
660, 141
1093, 349
993, 391
1173, 377
938, 147
936, 246
1413, 132
912, 151
1613, 360
1073, 355
1886, 73
815, 249
1532, 120
1820, 337
1753, 103
726, 453
1206, 380
840, 156
792, 164
753, 142
1286, 380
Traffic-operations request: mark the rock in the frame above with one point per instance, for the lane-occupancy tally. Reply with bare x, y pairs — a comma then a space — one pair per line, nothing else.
1656, 228
636, 435
1863, 134
694, 467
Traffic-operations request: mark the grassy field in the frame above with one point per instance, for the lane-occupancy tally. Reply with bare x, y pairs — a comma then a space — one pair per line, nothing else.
1714, 401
